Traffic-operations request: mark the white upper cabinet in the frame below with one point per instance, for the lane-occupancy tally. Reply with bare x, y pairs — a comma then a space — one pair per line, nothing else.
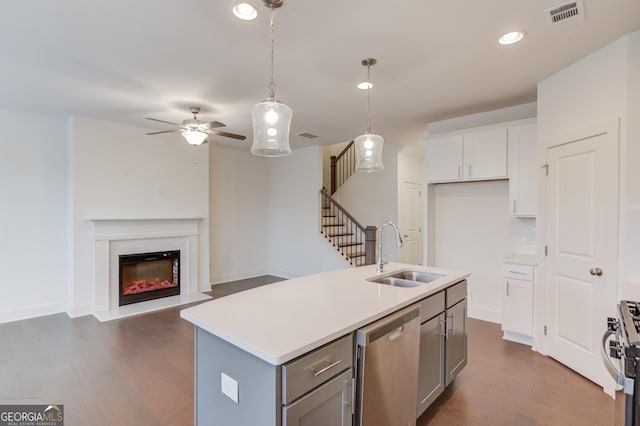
485, 154
444, 159
479, 154
522, 170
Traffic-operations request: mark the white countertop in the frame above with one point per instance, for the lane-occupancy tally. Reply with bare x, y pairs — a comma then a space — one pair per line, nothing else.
281, 321
522, 259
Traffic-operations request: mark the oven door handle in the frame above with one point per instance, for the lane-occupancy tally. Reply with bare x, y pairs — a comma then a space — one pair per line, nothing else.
617, 375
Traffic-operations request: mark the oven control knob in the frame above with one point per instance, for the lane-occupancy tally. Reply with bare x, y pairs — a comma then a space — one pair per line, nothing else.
612, 324
615, 351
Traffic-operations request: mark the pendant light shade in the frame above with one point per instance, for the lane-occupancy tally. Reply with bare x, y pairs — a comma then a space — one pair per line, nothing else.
194, 137
271, 118
271, 122
369, 145
369, 152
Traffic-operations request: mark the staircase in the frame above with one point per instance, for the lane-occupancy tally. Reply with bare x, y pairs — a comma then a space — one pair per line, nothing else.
343, 166
355, 242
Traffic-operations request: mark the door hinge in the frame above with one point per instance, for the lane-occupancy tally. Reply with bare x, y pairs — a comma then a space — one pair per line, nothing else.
546, 169
546, 251
545, 330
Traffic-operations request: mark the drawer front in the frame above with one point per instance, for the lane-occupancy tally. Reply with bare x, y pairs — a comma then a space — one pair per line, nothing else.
305, 373
456, 293
518, 271
431, 306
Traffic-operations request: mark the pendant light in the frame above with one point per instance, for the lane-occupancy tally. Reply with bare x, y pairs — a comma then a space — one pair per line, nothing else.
369, 145
271, 118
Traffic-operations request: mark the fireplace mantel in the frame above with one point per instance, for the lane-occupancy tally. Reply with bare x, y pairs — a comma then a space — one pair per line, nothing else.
115, 236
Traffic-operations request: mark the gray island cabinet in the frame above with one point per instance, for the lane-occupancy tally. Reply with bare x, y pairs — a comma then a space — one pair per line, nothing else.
284, 354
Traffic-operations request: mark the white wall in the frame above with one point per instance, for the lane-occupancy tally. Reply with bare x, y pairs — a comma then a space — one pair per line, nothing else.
295, 245
238, 214
602, 86
372, 198
474, 232
116, 172
502, 115
33, 260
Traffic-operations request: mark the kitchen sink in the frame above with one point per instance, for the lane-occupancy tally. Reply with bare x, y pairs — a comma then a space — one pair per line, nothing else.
407, 278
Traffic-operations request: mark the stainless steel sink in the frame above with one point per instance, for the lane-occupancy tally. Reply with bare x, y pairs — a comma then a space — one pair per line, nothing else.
406, 278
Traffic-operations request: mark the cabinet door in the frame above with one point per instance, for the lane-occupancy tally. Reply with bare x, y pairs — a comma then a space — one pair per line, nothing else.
431, 367
444, 159
522, 170
517, 309
328, 405
456, 350
485, 154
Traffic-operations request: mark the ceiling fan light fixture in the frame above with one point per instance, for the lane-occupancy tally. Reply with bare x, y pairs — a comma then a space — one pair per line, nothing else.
365, 85
369, 145
245, 11
194, 137
271, 118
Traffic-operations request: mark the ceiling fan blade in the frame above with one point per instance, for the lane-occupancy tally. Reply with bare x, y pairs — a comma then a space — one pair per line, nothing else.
162, 121
228, 135
164, 131
213, 124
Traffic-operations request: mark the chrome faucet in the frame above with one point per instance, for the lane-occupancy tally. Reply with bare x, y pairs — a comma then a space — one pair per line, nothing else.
379, 263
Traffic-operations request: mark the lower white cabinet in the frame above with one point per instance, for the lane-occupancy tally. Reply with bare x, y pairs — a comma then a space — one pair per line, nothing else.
517, 306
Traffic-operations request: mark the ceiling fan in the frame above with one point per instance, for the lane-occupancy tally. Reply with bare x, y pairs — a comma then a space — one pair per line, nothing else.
196, 131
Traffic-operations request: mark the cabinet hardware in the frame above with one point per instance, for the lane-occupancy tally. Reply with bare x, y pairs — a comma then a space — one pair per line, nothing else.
517, 272
469, 170
353, 396
459, 171
514, 206
443, 327
546, 169
452, 329
322, 370
507, 288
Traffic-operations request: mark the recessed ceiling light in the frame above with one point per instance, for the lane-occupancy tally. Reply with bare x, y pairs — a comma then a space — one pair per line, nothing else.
512, 37
245, 11
365, 85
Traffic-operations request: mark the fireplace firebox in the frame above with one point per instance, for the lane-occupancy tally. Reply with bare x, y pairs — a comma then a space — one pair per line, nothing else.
148, 276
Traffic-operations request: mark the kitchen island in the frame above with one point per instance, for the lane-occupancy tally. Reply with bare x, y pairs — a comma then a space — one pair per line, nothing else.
248, 344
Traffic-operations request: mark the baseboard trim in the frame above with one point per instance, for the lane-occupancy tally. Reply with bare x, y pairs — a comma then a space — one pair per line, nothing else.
32, 312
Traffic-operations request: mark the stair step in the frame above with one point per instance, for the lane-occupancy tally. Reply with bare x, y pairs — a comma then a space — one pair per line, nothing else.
343, 234
329, 215
354, 255
349, 244
330, 225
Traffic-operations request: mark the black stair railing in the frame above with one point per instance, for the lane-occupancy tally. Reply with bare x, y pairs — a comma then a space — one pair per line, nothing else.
354, 241
343, 166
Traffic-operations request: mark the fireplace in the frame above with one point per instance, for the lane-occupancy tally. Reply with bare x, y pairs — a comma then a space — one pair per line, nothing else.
148, 276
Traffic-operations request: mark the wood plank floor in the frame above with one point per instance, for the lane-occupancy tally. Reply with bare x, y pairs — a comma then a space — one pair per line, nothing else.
139, 371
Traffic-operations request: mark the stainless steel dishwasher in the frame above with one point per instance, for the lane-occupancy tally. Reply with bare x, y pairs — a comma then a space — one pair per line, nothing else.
387, 354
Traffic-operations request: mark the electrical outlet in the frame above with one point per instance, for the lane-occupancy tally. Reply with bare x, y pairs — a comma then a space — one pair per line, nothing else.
229, 387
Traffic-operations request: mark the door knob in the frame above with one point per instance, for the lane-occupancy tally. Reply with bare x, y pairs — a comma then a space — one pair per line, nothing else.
595, 271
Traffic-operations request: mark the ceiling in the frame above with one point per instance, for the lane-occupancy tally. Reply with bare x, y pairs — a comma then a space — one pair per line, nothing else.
122, 60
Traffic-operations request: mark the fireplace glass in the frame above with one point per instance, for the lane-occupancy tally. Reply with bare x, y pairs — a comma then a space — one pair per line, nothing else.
147, 276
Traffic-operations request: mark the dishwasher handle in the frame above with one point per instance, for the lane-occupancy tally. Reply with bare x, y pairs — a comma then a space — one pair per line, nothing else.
393, 325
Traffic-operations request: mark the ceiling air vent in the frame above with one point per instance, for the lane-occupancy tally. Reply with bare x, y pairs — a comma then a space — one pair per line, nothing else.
566, 13
308, 135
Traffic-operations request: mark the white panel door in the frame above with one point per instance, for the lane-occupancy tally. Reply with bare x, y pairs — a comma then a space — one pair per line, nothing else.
411, 222
582, 235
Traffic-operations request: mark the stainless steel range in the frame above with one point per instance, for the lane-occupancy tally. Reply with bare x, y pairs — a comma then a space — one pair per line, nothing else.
624, 345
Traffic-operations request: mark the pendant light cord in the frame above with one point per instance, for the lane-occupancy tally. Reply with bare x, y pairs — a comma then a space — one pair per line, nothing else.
272, 84
369, 99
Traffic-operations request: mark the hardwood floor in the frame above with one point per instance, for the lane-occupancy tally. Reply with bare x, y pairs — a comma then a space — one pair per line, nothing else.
139, 371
